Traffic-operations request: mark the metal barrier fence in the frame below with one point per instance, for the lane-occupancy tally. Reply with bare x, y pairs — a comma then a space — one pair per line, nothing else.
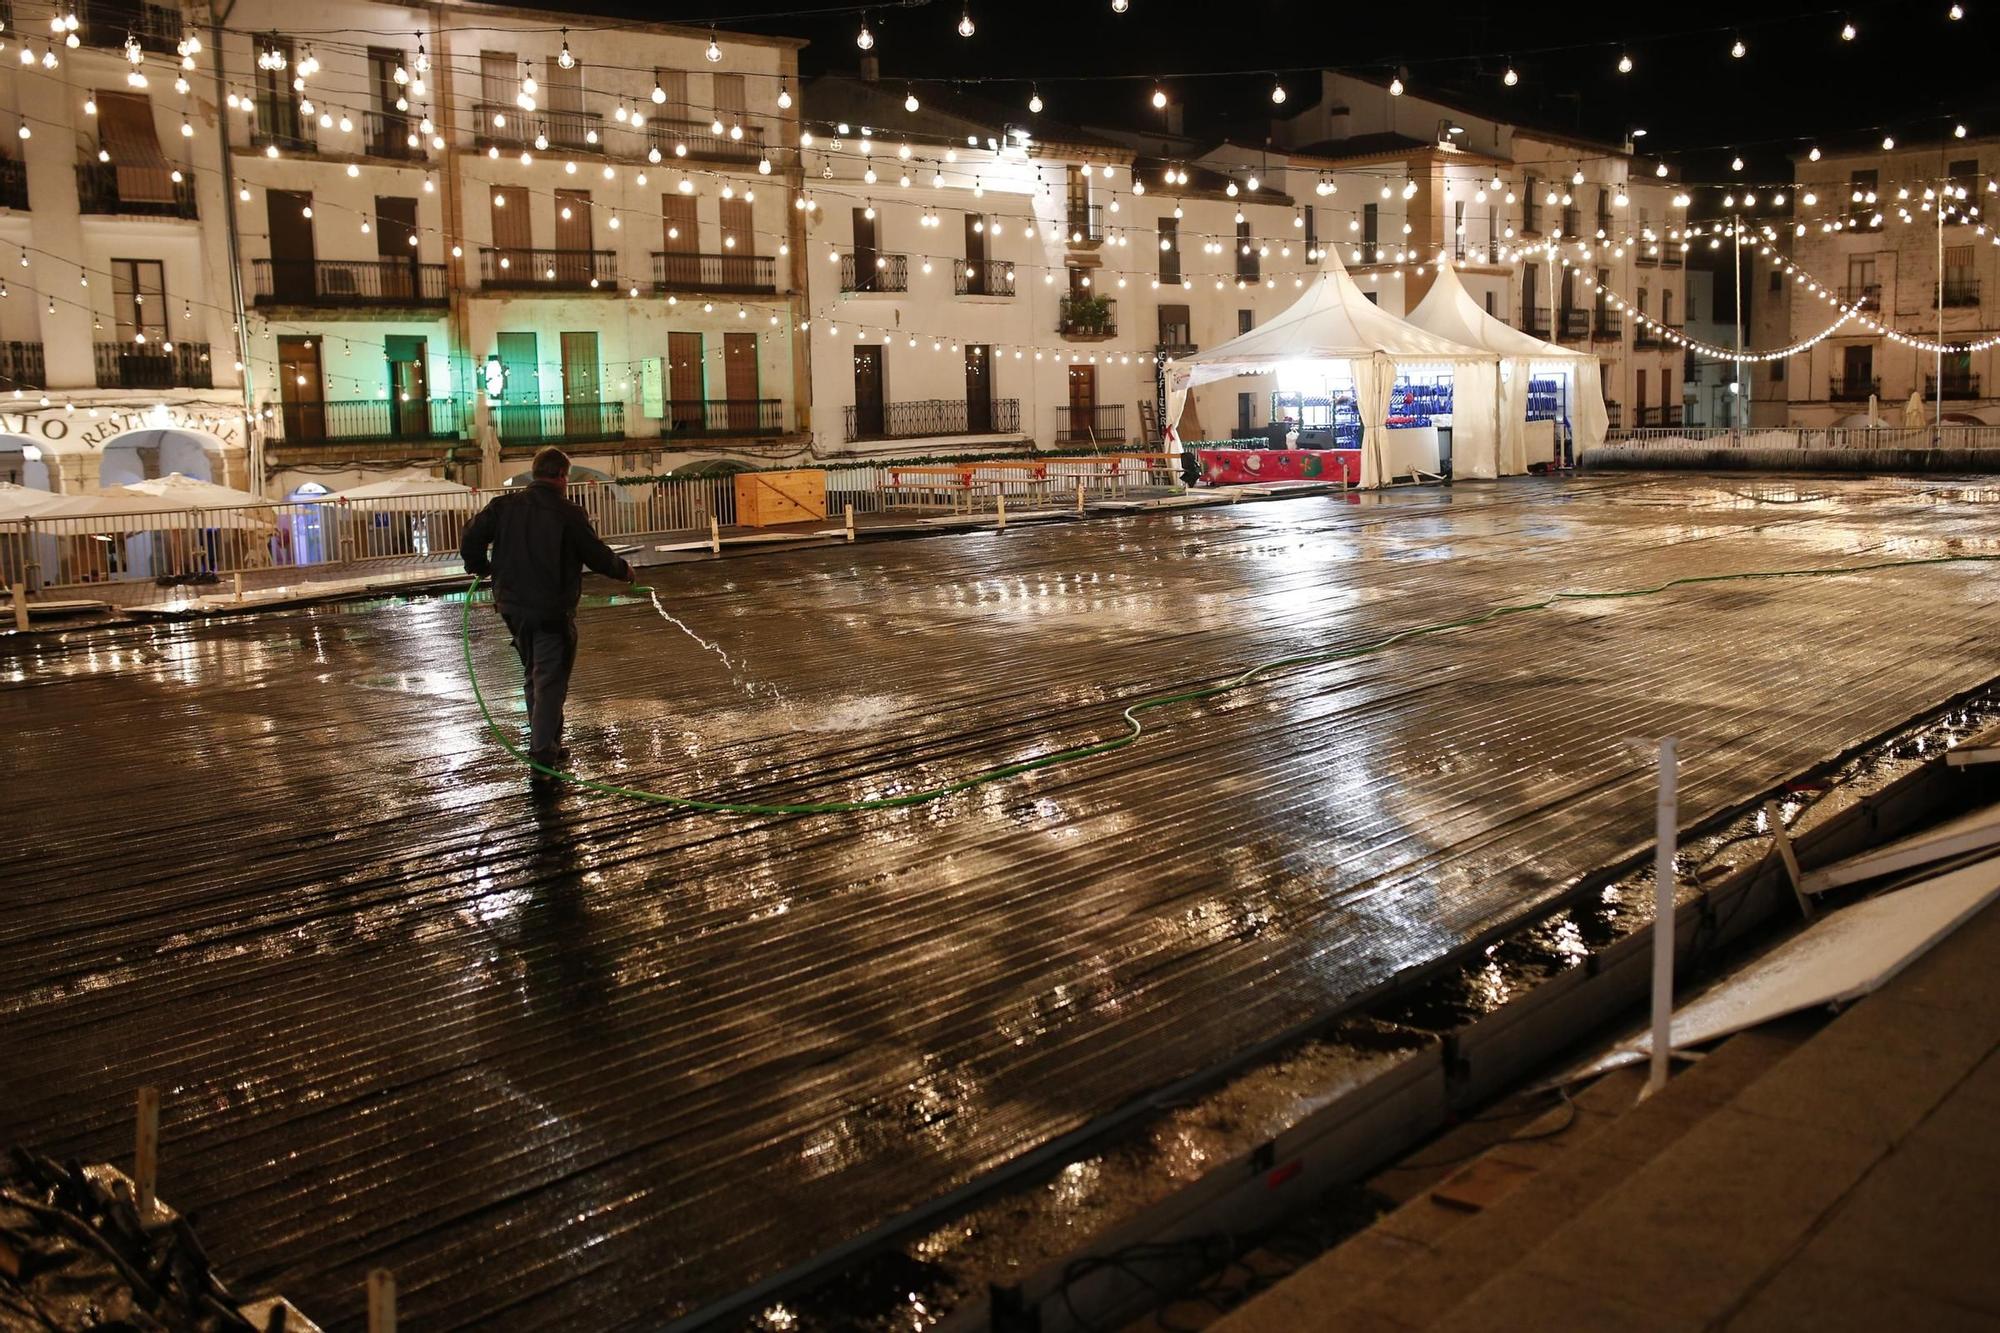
130, 550
1807, 437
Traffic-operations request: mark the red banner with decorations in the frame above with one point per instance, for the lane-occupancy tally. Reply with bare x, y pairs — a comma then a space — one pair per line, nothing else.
1243, 467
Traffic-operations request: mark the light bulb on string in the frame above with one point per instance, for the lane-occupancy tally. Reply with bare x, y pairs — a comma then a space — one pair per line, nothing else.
1278, 94
564, 59
1511, 77
1396, 84
1847, 31
1738, 49
909, 101
1120, 6
1034, 100
1888, 143
965, 28
712, 53
1625, 63
1955, 13
784, 98
1736, 164
864, 39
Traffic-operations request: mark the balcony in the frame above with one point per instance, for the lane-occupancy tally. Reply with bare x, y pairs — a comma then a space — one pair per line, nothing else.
1853, 389
281, 124
99, 190
703, 141
388, 135
934, 416
1957, 293
535, 424
1086, 224
1603, 225
1575, 325
1531, 219
1098, 423
1572, 221
21, 366
688, 271
689, 418
884, 273
1607, 326
13, 183
1866, 297
1088, 318
1646, 338
106, 23
504, 125
1963, 384
349, 282
1535, 323
993, 277
370, 420
547, 270
1646, 254
124, 365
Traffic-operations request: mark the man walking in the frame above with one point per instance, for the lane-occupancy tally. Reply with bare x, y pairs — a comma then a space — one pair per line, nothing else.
534, 542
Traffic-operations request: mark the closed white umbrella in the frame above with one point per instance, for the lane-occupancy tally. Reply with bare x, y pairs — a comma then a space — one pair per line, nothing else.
408, 492
1913, 412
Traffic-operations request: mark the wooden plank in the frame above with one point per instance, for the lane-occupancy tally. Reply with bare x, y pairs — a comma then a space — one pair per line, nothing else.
1969, 832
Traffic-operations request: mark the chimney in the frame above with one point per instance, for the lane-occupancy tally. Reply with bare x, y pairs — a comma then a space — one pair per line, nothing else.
871, 68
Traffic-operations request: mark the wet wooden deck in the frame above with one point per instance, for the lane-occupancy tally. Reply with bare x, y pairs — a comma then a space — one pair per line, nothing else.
583, 1062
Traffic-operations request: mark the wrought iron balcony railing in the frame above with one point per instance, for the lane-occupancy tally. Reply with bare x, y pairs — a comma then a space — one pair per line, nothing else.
687, 271
342, 282
1607, 326
993, 277
734, 142
1575, 325
1087, 318
388, 134
504, 125
99, 190
934, 416
687, 417
547, 270
1958, 292
132, 365
370, 419
879, 273
1646, 337
1963, 385
107, 23
1863, 297
1852, 390
1535, 323
1099, 423
280, 122
21, 366
558, 423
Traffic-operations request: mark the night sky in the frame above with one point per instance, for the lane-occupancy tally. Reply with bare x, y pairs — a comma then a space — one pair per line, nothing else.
1909, 69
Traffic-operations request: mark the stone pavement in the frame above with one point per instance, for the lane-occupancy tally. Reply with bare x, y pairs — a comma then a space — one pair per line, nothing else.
1829, 1177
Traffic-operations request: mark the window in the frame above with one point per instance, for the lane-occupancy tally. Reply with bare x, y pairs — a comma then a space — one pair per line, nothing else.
731, 107
1458, 228
1246, 320
1246, 252
1312, 233
139, 299
1370, 224
1489, 303
499, 78
1529, 222
1246, 412
278, 119
1170, 250
1642, 300
1176, 327
674, 83
1666, 308
1964, 175
1777, 281
1374, 298
1777, 372
1691, 311
1861, 195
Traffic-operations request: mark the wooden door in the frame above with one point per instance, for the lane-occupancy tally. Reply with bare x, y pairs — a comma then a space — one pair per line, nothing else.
978, 389
293, 273
395, 230
739, 377
409, 395
301, 391
1857, 372
513, 235
686, 410
680, 257
864, 251
739, 245
868, 393
1639, 400
573, 262
1082, 397
583, 410
391, 132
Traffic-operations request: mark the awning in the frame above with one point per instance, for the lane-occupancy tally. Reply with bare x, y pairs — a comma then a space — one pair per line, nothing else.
125, 130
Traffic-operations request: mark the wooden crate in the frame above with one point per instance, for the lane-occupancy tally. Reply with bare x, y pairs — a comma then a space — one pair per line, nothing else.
765, 499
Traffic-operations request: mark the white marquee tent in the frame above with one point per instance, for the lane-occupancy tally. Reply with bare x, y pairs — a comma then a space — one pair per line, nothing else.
1449, 311
1333, 325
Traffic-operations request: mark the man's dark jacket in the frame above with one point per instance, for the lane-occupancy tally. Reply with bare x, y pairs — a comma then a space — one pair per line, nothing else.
534, 543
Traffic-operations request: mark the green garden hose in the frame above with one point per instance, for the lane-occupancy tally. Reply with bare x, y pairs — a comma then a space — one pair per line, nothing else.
1132, 711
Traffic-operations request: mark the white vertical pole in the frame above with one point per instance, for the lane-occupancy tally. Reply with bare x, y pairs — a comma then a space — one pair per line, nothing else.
850, 522
1000, 498
381, 1301
146, 1152
714, 535
1937, 422
1666, 820
20, 591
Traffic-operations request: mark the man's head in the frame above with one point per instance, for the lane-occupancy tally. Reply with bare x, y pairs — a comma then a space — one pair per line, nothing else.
552, 467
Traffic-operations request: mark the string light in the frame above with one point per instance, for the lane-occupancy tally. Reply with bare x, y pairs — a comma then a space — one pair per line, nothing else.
1034, 100
1278, 94
864, 39
1159, 98
1625, 63
965, 28
1511, 77
1739, 50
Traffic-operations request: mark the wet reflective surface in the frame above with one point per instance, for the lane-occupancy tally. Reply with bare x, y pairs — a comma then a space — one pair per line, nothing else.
577, 1061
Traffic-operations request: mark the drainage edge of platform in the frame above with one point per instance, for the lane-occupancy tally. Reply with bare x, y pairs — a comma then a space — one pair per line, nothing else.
1375, 1122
